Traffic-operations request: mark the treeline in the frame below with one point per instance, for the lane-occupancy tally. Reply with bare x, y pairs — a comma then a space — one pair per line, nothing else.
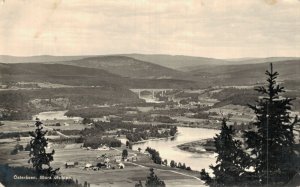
154, 132
141, 134
13, 134
107, 126
95, 142
164, 119
96, 112
179, 165
132, 132
67, 140
154, 155
158, 160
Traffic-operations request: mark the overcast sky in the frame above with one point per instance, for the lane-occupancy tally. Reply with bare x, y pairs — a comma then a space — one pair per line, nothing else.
210, 28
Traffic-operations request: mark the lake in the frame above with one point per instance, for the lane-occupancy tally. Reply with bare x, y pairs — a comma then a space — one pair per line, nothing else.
168, 147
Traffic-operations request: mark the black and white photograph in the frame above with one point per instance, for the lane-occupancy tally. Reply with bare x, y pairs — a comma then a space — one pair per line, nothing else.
149, 93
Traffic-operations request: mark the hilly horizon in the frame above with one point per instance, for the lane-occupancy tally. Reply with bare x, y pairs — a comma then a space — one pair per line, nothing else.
178, 62
57, 73
187, 63
80, 76
249, 74
133, 73
127, 67
38, 58
244, 61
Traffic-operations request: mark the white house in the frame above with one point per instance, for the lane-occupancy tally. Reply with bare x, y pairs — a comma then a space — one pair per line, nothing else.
121, 166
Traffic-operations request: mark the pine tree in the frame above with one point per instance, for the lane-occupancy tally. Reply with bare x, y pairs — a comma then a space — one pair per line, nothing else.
153, 180
39, 157
271, 142
124, 154
229, 168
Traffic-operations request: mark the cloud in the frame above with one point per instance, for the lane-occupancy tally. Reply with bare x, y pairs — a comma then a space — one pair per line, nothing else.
215, 28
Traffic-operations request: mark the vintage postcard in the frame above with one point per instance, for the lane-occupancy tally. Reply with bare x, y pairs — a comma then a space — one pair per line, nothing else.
149, 93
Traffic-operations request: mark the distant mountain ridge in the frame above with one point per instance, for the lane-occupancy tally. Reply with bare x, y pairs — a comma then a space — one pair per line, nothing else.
37, 59
244, 61
80, 76
177, 62
127, 67
248, 73
187, 63
58, 73
135, 71
119, 65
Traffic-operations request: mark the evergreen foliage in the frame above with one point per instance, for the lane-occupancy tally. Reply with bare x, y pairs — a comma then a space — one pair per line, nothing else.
153, 180
229, 167
271, 143
267, 155
154, 155
139, 149
173, 131
173, 164
38, 156
124, 154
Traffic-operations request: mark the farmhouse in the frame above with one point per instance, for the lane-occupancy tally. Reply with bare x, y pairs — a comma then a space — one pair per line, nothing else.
70, 165
88, 166
103, 148
121, 166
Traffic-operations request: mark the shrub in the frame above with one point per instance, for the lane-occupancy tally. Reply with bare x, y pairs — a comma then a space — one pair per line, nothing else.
154, 155
16, 149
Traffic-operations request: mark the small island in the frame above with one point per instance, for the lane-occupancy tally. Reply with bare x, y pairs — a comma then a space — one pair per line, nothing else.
200, 146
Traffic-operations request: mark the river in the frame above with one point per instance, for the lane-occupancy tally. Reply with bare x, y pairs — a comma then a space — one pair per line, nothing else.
168, 147
54, 115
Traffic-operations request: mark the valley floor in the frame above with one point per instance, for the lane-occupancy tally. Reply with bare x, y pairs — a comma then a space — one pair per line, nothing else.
127, 177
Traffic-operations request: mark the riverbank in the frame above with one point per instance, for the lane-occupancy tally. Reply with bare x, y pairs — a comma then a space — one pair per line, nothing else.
152, 139
202, 125
199, 146
168, 149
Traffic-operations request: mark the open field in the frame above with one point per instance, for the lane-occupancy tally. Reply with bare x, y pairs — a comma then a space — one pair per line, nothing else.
104, 177
28, 125
131, 174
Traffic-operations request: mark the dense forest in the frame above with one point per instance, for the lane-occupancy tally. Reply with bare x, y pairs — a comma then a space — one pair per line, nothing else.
20, 104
